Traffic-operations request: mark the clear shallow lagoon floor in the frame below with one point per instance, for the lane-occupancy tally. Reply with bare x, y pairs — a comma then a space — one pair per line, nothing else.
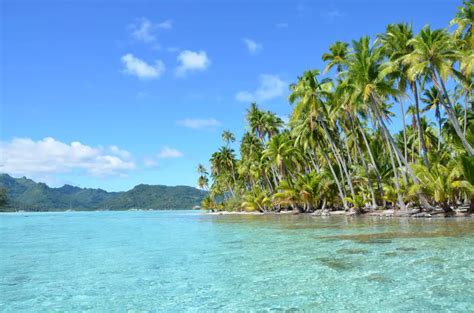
189, 261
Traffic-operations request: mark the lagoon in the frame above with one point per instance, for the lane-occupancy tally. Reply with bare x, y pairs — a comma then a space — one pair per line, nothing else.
191, 261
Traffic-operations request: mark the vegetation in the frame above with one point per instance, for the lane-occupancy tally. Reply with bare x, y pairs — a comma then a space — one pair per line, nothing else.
3, 198
338, 150
27, 195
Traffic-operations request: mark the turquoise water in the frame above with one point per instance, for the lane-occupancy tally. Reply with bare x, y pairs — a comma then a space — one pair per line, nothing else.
188, 261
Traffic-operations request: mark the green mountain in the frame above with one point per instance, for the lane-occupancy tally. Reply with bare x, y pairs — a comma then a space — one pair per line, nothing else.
25, 194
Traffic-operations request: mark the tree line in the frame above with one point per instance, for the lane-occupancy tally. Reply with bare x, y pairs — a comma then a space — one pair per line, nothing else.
337, 150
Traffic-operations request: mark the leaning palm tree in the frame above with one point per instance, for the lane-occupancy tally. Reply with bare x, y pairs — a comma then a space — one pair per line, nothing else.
396, 44
311, 139
310, 96
338, 147
364, 74
433, 56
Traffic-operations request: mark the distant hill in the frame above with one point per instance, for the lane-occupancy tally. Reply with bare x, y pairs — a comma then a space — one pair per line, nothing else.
25, 194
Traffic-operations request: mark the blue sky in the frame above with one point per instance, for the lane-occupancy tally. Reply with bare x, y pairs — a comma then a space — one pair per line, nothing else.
112, 94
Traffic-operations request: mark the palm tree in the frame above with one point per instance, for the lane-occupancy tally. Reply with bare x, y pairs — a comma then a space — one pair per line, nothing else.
250, 146
442, 183
223, 165
272, 124
364, 72
396, 44
256, 200
338, 141
432, 99
433, 56
312, 188
203, 182
208, 203
337, 56
309, 94
256, 120
228, 137
464, 21
281, 152
202, 170
463, 38
286, 195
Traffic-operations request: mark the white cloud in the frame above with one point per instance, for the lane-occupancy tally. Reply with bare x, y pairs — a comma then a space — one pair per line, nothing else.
167, 153
199, 123
150, 162
137, 67
39, 159
144, 30
333, 14
252, 46
281, 25
168, 24
271, 86
122, 153
191, 61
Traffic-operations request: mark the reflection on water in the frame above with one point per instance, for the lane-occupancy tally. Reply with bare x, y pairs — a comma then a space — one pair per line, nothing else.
360, 229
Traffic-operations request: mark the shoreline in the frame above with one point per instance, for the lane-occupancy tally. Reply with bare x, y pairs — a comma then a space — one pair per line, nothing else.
385, 214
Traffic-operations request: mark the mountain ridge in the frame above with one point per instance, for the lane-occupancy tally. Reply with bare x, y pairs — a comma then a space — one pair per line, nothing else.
27, 195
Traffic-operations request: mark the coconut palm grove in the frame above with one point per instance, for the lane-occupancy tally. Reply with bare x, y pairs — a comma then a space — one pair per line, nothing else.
339, 150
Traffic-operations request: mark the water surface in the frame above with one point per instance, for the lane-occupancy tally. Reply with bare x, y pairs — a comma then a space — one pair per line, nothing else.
183, 260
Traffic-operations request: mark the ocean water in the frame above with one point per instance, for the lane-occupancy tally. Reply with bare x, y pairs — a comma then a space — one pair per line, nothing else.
178, 261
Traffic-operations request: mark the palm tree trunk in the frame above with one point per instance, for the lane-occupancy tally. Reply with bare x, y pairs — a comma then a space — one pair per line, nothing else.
424, 151
274, 175
424, 203
268, 182
312, 156
465, 115
231, 190
346, 143
402, 110
439, 135
451, 115
364, 164
341, 160
400, 164
336, 179
372, 160
401, 204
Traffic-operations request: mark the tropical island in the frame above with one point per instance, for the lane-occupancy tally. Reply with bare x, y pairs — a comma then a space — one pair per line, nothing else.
339, 151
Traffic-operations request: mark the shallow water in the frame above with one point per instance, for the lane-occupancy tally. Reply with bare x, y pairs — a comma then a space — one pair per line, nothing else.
183, 260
